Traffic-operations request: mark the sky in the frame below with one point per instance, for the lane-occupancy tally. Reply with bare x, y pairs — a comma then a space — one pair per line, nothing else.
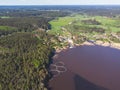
59, 2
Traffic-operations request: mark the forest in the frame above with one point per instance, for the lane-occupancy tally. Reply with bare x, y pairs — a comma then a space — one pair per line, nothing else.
25, 52
23, 61
22, 24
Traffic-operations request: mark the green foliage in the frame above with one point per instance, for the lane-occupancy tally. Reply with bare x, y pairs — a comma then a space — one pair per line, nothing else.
23, 60
36, 63
24, 24
5, 30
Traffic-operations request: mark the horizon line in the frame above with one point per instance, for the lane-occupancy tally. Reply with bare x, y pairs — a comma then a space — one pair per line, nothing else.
64, 5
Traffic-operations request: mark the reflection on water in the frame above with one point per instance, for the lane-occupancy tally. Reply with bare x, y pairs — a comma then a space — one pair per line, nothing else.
82, 84
88, 68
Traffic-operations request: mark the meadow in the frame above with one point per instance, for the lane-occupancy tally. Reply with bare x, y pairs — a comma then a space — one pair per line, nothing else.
83, 27
107, 23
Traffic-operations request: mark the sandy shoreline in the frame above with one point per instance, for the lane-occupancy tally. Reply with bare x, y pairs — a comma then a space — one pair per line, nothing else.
105, 44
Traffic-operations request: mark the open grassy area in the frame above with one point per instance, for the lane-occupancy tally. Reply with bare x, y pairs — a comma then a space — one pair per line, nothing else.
85, 27
4, 17
60, 22
7, 28
112, 24
109, 24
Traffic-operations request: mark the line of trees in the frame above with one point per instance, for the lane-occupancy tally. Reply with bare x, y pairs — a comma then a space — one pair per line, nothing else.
25, 24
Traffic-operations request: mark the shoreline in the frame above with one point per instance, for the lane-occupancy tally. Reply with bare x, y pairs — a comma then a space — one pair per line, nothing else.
101, 43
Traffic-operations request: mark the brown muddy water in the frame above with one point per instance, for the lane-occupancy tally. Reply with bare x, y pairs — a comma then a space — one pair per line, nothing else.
86, 68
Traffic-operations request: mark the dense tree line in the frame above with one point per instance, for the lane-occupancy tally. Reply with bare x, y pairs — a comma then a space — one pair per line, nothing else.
23, 61
25, 24
32, 13
30, 23
108, 11
87, 29
91, 22
58, 11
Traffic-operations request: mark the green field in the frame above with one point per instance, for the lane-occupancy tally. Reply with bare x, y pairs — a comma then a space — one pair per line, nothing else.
60, 22
109, 24
7, 28
4, 17
83, 26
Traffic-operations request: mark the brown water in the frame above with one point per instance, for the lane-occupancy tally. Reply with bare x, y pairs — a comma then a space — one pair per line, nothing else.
88, 68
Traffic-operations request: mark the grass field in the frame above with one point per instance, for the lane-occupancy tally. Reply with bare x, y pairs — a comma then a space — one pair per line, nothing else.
109, 24
6, 28
60, 22
4, 17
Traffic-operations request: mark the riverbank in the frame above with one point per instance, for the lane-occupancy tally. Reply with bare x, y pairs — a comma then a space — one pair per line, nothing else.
101, 43
90, 43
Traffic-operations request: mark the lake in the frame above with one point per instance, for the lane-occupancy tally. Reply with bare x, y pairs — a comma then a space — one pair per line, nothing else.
86, 68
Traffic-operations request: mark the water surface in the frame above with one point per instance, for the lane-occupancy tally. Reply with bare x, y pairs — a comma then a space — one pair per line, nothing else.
88, 68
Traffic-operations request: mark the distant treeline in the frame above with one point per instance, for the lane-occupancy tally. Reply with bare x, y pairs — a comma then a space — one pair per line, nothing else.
32, 13
26, 24
108, 12
59, 11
